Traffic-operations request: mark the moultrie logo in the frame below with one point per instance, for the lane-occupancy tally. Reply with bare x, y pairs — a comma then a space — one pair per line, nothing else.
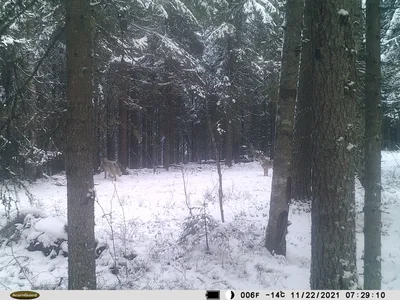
24, 295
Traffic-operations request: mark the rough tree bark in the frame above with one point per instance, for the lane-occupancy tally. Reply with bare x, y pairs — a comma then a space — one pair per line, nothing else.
230, 50
98, 102
79, 148
272, 125
97, 141
229, 103
167, 126
275, 240
357, 20
154, 143
124, 81
301, 175
372, 206
31, 167
333, 240
134, 140
229, 136
140, 137
218, 160
110, 128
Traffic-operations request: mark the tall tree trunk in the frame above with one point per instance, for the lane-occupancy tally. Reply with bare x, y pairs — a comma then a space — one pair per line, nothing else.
372, 207
97, 101
149, 144
32, 167
123, 119
359, 29
154, 138
97, 130
301, 175
218, 160
193, 144
168, 119
229, 128
167, 145
229, 101
109, 123
79, 148
173, 134
205, 149
229, 136
275, 240
147, 138
272, 129
333, 240
133, 140
140, 138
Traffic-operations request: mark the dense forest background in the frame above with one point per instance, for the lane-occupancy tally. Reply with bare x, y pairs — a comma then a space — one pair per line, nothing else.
162, 70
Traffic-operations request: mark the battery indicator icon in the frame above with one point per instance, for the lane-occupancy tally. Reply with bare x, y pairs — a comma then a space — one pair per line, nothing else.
212, 295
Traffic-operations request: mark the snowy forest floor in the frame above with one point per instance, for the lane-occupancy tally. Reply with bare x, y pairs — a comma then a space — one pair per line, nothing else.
142, 217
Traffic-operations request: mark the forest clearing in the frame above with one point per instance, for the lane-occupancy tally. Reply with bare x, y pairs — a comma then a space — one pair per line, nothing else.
148, 214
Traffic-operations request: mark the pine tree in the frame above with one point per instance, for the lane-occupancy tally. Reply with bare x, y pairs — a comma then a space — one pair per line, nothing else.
333, 240
301, 175
275, 239
372, 207
79, 147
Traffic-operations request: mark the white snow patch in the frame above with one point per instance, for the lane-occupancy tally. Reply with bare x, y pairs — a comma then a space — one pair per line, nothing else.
350, 146
8, 40
147, 221
55, 227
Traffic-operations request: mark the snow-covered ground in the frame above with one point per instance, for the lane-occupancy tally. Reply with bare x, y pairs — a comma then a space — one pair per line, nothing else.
142, 217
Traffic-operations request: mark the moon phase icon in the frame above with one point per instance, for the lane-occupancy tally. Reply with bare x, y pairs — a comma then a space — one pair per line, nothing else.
229, 295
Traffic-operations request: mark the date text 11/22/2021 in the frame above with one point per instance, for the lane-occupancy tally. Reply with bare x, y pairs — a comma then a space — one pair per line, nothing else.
330, 295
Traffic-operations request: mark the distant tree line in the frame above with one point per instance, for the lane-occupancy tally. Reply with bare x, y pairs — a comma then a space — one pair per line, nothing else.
153, 66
